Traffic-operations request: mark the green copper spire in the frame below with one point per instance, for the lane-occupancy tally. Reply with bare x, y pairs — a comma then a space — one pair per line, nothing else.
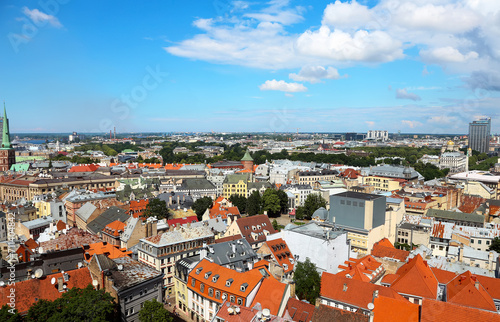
247, 157
5, 131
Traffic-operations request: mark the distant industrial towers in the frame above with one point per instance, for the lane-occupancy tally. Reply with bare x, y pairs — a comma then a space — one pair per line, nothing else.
479, 135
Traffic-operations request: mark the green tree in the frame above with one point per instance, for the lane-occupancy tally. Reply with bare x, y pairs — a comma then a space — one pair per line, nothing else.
276, 226
139, 159
153, 311
495, 245
271, 203
75, 305
7, 316
283, 201
307, 281
157, 208
312, 203
240, 202
201, 205
254, 204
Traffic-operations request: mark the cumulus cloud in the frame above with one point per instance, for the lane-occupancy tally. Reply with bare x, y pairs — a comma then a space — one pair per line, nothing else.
447, 54
411, 124
376, 46
274, 85
442, 119
314, 74
346, 15
402, 93
39, 17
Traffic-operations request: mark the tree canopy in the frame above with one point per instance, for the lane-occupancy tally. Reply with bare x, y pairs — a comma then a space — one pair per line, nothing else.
201, 205
307, 281
240, 202
77, 304
254, 204
271, 203
495, 245
157, 208
312, 203
153, 311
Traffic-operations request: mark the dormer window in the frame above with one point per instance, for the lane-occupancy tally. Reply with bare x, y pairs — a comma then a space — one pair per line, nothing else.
198, 270
215, 278
243, 287
207, 275
229, 282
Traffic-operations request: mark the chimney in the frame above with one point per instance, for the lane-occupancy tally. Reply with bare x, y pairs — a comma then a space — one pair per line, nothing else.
292, 289
345, 287
476, 284
461, 253
233, 247
170, 200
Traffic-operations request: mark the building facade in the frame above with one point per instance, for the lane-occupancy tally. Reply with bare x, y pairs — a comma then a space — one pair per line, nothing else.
479, 135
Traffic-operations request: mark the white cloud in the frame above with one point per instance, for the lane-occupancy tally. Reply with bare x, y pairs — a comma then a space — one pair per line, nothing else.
447, 54
440, 119
39, 17
402, 93
314, 74
370, 123
376, 46
346, 15
411, 124
274, 85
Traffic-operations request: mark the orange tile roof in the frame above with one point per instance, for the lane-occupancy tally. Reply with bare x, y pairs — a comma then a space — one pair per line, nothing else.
31, 244
389, 279
219, 211
443, 277
365, 269
438, 311
60, 225
115, 228
281, 253
389, 309
246, 225
30, 291
84, 168
352, 292
244, 171
470, 203
466, 290
382, 249
261, 263
251, 278
270, 295
416, 278
491, 285
173, 166
228, 238
109, 250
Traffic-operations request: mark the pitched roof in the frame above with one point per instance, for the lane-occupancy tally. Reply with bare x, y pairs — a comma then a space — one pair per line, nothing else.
416, 278
30, 291
84, 168
389, 309
281, 253
491, 285
114, 228
299, 310
182, 221
382, 249
352, 292
253, 227
365, 269
220, 211
74, 237
111, 251
107, 217
271, 295
438, 311
466, 290
328, 313
443, 277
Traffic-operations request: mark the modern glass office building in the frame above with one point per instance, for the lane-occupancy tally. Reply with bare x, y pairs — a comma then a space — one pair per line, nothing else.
479, 135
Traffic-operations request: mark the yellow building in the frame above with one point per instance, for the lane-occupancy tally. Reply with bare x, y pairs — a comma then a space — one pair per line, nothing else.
235, 184
383, 183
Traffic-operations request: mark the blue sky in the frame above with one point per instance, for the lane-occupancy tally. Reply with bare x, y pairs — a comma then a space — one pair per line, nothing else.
416, 66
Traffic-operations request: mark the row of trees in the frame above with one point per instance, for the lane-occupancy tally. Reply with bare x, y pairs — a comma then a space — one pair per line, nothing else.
85, 304
274, 202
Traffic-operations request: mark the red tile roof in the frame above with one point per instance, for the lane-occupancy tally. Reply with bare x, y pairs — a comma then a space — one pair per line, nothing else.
109, 250
389, 309
352, 292
182, 221
416, 278
491, 285
281, 253
470, 203
115, 228
299, 310
220, 211
249, 227
437, 311
443, 277
31, 244
466, 290
75, 237
228, 238
382, 249
30, 291
365, 269
328, 313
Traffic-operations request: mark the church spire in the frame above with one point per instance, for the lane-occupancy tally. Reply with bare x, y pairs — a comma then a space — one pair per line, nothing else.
5, 131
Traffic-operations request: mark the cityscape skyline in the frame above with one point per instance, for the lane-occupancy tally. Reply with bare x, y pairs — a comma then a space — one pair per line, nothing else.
236, 66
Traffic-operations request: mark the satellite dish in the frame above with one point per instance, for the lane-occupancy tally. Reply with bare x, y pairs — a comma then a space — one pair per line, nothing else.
32, 275
80, 264
53, 281
371, 306
95, 283
2, 283
38, 273
230, 310
237, 310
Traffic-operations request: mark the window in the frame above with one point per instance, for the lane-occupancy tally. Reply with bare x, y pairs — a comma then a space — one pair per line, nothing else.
479, 242
217, 295
232, 299
240, 301
342, 202
202, 287
193, 282
355, 203
361, 204
472, 240
210, 292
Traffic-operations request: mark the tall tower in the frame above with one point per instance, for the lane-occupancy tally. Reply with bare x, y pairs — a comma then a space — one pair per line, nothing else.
7, 153
479, 135
247, 161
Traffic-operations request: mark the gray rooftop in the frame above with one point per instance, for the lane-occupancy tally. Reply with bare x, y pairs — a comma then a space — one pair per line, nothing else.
237, 253
85, 211
197, 184
40, 222
133, 273
454, 215
107, 217
179, 235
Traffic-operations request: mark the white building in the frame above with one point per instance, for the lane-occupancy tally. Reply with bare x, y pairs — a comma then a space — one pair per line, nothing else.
455, 161
377, 135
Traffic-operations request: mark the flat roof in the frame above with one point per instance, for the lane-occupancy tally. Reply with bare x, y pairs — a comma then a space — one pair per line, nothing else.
358, 195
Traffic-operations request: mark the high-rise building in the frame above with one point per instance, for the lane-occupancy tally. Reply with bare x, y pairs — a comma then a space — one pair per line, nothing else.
7, 152
479, 135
